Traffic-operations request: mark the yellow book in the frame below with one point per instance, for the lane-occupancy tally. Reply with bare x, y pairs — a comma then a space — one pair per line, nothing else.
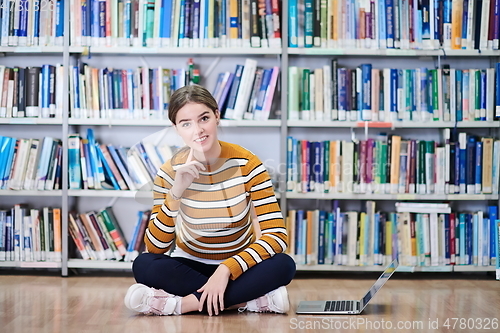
388, 239
57, 256
456, 24
233, 22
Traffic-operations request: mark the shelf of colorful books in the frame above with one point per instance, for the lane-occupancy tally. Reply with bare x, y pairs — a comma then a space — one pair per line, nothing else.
402, 269
110, 193
31, 193
99, 264
398, 124
392, 52
383, 196
30, 121
175, 50
30, 264
165, 122
32, 49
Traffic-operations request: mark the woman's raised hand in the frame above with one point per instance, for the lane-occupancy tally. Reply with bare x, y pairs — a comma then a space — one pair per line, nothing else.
185, 175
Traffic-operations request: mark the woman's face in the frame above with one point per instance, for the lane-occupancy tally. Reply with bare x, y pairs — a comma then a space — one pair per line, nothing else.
197, 125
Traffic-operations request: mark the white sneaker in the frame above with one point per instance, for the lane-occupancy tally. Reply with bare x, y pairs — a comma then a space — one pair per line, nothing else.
274, 301
143, 299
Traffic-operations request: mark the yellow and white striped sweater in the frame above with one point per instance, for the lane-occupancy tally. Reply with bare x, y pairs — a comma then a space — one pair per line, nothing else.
213, 218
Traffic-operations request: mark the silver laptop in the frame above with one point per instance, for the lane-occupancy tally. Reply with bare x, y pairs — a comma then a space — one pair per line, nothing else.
347, 307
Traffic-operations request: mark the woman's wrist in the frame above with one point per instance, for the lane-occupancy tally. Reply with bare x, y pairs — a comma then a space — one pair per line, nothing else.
173, 195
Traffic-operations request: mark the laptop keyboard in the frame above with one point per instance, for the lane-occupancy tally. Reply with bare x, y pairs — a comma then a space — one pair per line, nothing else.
339, 306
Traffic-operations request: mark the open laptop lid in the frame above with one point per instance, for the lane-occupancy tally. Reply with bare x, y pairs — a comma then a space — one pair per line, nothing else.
386, 274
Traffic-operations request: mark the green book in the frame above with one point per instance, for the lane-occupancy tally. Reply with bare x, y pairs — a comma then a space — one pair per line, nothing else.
306, 95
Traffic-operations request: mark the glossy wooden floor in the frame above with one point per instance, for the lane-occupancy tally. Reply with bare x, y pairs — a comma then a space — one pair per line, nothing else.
421, 303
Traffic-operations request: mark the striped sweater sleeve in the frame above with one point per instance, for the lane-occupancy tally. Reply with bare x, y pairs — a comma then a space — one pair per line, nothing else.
274, 237
160, 233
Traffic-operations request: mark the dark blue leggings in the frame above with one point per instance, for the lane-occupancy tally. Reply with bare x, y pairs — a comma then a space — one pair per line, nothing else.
181, 276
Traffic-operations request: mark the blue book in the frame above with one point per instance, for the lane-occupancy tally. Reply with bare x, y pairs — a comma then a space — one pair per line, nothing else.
95, 161
462, 241
497, 247
321, 238
475, 238
465, 94
4, 147
342, 93
5, 21
484, 97
497, 90
426, 24
90, 170
309, 23
74, 165
465, 15
470, 178
438, 19
316, 165
293, 25
366, 92
382, 31
43, 163
166, 18
459, 84
86, 26
94, 20
447, 254
101, 23
108, 174
478, 174
300, 248
389, 9
394, 95
127, 21
121, 167
493, 215
60, 18
376, 232
182, 23
469, 238
462, 162
23, 18
130, 248
225, 92
234, 92
266, 78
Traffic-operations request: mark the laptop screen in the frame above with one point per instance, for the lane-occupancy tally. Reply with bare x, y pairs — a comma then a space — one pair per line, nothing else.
380, 282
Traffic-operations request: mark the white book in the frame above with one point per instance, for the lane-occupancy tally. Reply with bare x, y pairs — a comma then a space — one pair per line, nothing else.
351, 237
244, 90
318, 94
30, 177
485, 24
327, 93
490, 93
434, 238
20, 164
27, 242
35, 219
440, 170
441, 240
480, 240
312, 96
